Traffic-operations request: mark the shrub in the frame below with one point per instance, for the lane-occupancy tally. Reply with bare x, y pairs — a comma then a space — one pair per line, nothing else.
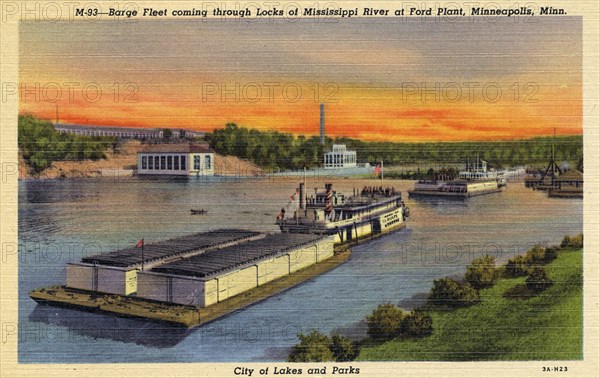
385, 322
313, 347
482, 272
520, 266
343, 349
572, 242
450, 293
468, 296
550, 254
538, 280
417, 324
516, 267
317, 347
535, 255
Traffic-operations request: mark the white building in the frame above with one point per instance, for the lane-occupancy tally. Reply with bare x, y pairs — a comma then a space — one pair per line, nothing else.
340, 157
176, 159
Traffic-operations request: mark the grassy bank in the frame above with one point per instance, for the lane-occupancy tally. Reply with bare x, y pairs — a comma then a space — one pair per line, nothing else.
548, 326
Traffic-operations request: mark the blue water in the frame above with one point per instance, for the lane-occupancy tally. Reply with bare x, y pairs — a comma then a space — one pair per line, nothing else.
62, 221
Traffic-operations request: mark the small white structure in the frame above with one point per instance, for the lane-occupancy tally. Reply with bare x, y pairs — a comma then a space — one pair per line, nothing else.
176, 159
340, 157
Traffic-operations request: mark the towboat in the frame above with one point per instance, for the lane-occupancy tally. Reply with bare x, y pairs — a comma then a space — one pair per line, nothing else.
366, 213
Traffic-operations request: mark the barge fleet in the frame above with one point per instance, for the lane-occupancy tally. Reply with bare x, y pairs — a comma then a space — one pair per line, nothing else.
367, 213
194, 279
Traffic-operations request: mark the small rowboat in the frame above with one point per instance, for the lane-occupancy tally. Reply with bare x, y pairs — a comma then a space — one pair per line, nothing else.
198, 211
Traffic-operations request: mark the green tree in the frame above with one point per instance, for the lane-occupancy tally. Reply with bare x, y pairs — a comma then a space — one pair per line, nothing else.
535, 255
41, 144
575, 242
516, 267
481, 273
447, 292
385, 322
313, 347
550, 253
417, 324
343, 349
538, 280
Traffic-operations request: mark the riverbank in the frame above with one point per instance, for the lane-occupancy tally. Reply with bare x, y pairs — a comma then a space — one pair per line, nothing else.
503, 327
185, 316
122, 163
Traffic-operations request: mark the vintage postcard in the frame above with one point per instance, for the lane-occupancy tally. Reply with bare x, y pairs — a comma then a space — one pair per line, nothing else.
311, 189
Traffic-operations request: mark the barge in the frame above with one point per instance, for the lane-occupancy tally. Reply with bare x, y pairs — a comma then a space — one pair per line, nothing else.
459, 188
131, 306
475, 180
193, 279
371, 212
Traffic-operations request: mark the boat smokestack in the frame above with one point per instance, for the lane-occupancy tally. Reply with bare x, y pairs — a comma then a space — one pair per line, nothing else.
302, 195
322, 124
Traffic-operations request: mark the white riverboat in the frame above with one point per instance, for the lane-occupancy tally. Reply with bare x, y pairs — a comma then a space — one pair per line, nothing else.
366, 213
478, 171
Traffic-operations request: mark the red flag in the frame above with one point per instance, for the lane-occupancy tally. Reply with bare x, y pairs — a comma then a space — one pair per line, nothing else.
377, 169
140, 244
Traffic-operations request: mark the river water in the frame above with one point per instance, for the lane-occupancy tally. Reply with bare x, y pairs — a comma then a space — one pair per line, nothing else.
62, 221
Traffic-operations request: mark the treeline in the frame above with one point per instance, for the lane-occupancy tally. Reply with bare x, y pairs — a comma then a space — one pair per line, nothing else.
536, 151
269, 150
389, 322
274, 150
41, 144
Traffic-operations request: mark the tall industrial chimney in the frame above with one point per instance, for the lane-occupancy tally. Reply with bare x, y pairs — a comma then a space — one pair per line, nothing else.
322, 123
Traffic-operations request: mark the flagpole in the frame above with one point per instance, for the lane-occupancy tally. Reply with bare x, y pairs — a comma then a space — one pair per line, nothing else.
142, 254
382, 173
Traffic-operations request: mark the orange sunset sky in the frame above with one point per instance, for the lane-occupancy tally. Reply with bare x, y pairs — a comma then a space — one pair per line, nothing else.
381, 79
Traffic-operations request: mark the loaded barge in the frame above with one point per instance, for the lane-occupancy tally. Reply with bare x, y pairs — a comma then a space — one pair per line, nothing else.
193, 279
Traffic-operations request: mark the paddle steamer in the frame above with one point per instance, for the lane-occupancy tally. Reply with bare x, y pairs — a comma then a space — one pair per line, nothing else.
366, 213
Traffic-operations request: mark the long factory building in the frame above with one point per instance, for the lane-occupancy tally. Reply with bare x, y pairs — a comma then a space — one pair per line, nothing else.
200, 269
